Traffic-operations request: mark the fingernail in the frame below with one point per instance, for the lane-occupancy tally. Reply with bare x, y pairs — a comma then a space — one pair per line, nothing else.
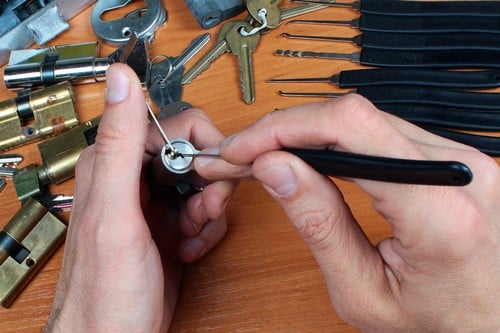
228, 140
193, 248
117, 86
280, 179
203, 161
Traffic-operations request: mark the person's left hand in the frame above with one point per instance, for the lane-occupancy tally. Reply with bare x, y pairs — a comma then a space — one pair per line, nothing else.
127, 236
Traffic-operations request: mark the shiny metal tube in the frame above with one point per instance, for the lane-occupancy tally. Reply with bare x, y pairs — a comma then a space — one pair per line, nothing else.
82, 70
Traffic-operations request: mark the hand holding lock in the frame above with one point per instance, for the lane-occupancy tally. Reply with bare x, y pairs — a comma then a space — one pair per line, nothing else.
439, 272
128, 236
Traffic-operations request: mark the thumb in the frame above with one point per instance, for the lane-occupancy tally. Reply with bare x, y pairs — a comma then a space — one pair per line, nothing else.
121, 139
351, 265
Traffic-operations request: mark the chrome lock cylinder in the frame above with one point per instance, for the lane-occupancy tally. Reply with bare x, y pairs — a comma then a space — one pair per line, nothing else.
180, 160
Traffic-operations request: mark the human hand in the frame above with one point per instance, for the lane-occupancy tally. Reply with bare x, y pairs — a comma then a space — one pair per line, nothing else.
127, 237
440, 272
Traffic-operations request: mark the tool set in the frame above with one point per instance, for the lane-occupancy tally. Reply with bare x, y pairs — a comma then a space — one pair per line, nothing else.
429, 59
428, 63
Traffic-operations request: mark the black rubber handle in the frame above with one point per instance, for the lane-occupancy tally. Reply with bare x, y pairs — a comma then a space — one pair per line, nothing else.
430, 8
487, 144
426, 115
432, 41
430, 96
419, 77
401, 24
341, 164
431, 59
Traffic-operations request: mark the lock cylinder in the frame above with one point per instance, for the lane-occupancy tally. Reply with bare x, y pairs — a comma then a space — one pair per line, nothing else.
26, 243
37, 115
83, 70
59, 155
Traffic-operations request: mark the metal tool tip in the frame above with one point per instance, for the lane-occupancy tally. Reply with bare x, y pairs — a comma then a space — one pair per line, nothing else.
288, 53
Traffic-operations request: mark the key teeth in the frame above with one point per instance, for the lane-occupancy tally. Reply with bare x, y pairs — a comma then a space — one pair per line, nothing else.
248, 96
199, 68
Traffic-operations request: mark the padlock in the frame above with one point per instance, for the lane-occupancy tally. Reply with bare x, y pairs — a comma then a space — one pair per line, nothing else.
37, 115
26, 243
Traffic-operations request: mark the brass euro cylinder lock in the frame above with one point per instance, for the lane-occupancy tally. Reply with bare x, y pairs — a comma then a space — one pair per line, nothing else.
37, 115
26, 243
59, 155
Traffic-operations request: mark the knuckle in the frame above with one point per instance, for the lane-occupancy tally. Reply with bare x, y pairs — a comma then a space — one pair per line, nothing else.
274, 117
109, 138
470, 232
194, 115
355, 109
316, 226
353, 103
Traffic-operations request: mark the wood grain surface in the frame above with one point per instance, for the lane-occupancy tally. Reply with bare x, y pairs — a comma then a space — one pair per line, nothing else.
261, 278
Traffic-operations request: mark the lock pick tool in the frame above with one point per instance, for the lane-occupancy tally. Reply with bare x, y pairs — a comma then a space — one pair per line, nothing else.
415, 24
417, 8
405, 77
456, 59
385, 169
417, 41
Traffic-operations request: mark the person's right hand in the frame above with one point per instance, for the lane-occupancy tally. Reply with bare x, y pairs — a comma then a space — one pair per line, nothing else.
440, 272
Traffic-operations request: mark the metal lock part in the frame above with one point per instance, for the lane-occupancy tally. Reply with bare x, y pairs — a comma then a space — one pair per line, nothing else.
59, 156
181, 160
37, 115
143, 22
23, 22
209, 13
77, 63
26, 243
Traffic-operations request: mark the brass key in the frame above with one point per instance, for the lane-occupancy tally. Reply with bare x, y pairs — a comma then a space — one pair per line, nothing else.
273, 13
242, 47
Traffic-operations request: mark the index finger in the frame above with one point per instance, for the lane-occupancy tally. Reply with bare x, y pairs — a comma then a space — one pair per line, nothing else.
353, 124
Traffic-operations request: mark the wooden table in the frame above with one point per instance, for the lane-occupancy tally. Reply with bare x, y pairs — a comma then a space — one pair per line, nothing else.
261, 278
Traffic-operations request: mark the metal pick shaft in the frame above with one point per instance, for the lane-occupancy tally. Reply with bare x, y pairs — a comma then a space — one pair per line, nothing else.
162, 132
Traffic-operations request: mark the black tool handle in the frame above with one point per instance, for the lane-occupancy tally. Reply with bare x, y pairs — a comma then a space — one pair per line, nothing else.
427, 115
431, 59
430, 96
487, 144
419, 77
430, 8
341, 164
411, 24
432, 41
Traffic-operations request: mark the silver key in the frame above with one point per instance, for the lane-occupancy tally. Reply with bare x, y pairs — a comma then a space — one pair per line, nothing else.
10, 159
196, 45
163, 70
302, 9
289, 12
215, 52
242, 47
